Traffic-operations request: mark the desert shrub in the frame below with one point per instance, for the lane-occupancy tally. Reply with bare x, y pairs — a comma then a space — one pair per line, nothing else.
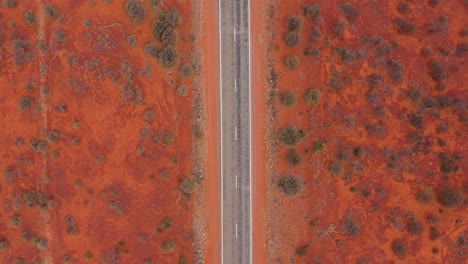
16, 220
167, 224
3, 244
135, 10
375, 81
416, 120
312, 97
351, 227
293, 158
187, 186
292, 39
434, 3
339, 29
437, 71
132, 41
294, 23
51, 11
415, 228
292, 62
320, 146
434, 234
303, 251
290, 136
150, 115
288, 99
168, 57
405, 27
164, 28
169, 245
396, 70
350, 12
151, 50
358, 152
25, 103
40, 146
415, 95
336, 169
30, 18
182, 90
186, 71
10, 3
53, 136
404, 8
289, 185
42, 244
400, 248
450, 198
312, 11
425, 196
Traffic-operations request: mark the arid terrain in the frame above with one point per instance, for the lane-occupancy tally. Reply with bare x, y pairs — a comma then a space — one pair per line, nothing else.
359, 124
105, 115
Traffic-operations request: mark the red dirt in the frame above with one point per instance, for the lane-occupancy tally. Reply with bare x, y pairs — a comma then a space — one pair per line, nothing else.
370, 203
112, 166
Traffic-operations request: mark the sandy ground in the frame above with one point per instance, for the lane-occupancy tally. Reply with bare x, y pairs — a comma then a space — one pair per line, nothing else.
98, 138
366, 157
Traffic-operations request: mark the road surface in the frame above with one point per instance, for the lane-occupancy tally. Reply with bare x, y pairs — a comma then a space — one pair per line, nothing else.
235, 131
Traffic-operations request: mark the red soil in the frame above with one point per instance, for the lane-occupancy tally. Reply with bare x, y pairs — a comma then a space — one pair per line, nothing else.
125, 142
359, 195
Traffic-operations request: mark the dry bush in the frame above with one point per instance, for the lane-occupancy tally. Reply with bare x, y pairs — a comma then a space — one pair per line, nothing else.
290, 185
312, 97
450, 198
293, 158
294, 23
350, 12
292, 39
292, 62
288, 99
164, 28
291, 136
135, 10
151, 49
168, 57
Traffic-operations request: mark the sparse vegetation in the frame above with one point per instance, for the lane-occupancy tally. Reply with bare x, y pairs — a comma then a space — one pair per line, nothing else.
292, 62
290, 185
292, 39
415, 228
186, 71
3, 244
51, 11
312, 11
42, 244
351, 227
10, 3
437, 71
375, 81
312, 97
400, 248
164, 28
336, 169
350, 12
25, 103
135, 10
151, 50
288, 99
30, 18
293, 158
426, 196
182, 90
320, 146
187, 186
169, 246
405, 27
16, 221
294, 23
303, 251
167, 223
290, 136
168, 57
451, 198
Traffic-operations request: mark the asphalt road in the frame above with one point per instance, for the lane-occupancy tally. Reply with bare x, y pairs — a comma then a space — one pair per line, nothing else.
235, 130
